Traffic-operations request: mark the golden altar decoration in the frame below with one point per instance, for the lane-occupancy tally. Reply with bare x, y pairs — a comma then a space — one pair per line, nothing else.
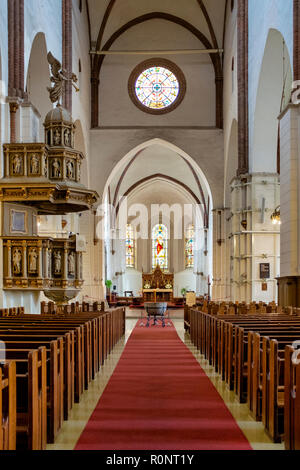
158, 286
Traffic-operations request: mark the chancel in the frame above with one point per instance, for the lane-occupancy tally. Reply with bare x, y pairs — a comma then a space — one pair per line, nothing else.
150, 258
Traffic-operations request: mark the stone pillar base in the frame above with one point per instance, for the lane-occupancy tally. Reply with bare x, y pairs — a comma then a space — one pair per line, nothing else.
289, 291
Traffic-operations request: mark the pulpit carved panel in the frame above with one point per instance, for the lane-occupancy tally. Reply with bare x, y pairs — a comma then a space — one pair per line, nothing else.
39, 263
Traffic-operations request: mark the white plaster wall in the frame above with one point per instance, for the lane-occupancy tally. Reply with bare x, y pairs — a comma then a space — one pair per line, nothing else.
82, 99
109, 146
289, 203
43, 16
198, 106
230, 87
126, 10
264, 15
132, 282
29, 300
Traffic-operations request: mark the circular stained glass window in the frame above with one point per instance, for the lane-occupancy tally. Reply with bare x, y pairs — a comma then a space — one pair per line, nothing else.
157, 86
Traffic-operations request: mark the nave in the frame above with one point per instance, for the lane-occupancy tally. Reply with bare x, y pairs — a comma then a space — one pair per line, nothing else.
80, 415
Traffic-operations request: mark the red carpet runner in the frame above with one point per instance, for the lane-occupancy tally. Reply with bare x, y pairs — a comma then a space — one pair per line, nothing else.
159, 398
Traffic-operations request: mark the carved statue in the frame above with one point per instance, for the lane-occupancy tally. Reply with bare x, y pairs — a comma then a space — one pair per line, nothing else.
56, 137
49, 264
45, 167
17, 261
57, 262
70, 169
16, 165
59, 75
80, 265
67, 138
56, 168
34, 165
33, 257
71, 263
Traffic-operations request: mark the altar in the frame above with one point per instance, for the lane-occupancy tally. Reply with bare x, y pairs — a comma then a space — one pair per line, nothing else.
158, 286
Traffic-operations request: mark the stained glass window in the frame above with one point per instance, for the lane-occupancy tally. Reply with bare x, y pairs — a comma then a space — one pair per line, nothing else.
160, 246
130, 247
157, 87
189, 246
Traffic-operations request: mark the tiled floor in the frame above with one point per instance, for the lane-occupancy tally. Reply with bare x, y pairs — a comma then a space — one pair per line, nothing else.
81, 413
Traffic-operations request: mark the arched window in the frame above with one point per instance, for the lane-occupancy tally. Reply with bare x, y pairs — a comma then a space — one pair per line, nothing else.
130, 247
160, 246
189, 246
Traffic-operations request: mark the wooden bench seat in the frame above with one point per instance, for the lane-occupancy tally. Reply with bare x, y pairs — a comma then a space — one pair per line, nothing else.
30, 401
291, 401
55, 377
8, 406
75, 346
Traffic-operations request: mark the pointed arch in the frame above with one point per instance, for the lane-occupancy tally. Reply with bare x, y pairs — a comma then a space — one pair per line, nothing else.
215, 59
38, 76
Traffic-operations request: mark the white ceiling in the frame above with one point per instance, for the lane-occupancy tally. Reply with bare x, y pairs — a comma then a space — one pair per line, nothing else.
124, 11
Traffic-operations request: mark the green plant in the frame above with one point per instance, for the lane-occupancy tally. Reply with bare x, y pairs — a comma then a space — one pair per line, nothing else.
183, 291
108, 284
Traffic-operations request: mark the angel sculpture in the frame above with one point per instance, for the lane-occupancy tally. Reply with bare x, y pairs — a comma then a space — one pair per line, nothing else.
59, 75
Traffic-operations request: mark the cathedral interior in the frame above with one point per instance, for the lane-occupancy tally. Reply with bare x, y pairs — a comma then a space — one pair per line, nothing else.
150, 154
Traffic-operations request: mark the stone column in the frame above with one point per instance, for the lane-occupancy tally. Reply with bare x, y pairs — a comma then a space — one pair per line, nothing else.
77, 271
254, 240
24, 259
21, 48
67, 50
65, 265
219, 280
289, 289
296, 30
9, 260
243, 131
16, 47
95, 101
49, 272
40, 260
13, 108
11, 48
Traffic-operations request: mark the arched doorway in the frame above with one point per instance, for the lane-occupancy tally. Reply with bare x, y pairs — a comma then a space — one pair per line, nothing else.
157, 176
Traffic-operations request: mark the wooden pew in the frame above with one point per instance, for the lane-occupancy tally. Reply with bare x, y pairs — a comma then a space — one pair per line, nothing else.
9, 330
273, 391
8, 406
256, 363
55, 376
76, 332
31, 397
291, 401
100, 333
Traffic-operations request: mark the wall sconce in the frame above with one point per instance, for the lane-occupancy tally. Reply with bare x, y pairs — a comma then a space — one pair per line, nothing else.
121, 273
275, 217
244, 223
64, 223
